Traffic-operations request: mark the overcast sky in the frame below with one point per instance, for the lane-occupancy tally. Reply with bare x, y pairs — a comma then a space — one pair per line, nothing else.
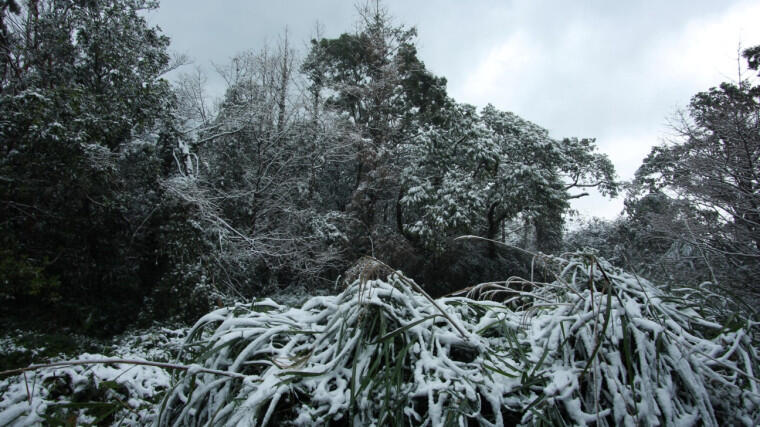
613, 70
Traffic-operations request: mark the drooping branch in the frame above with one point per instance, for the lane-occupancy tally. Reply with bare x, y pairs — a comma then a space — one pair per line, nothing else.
190, 368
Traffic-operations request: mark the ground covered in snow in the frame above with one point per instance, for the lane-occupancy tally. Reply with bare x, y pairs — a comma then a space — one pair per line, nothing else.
593, 345
98, 393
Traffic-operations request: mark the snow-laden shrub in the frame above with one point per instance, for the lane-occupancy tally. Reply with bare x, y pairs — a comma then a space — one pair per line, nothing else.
83, 394
86, 390
614, 349
597, 345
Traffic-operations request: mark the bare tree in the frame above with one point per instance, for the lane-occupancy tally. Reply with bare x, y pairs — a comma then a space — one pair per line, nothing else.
256, 166
712, 172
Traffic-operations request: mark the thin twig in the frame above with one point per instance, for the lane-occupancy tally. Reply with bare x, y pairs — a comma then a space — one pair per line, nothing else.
469, 236
28, 393
123, 361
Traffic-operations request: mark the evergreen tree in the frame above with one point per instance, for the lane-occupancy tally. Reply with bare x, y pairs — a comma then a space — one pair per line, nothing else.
85, 136
479, 171
375, 78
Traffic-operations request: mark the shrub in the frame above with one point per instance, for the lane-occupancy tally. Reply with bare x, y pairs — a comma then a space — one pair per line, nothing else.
595, 345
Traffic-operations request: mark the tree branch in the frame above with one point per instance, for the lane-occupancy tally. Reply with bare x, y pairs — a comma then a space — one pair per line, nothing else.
577, 196
192, 368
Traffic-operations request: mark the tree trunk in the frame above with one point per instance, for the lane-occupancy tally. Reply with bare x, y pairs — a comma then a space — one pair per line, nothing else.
493, 229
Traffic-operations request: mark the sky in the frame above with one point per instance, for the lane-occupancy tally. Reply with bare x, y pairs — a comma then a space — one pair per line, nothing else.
616, 71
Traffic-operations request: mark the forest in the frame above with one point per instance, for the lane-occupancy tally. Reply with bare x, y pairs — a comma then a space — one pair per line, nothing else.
338, 241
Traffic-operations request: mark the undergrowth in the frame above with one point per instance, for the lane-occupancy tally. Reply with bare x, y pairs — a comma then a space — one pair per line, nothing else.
62, 392
595, 345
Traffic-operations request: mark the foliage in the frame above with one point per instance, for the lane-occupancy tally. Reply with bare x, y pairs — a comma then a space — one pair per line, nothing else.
633, 241
427, 169
86, 136
91, 393
595, 345
133, 196
375, 79
710, 173
253, 184
481, 171
14, 272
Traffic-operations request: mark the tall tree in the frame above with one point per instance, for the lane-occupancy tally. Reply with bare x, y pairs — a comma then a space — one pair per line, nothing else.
254, 183
82, 103
374, 77
712, 170
480, 170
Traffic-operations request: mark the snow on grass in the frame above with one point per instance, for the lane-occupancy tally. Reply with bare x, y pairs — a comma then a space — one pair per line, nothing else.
361, 354
111, 393
124, 394
597, 345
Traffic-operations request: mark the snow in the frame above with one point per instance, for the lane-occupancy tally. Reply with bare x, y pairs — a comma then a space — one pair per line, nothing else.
563, 383
626, 359
140, 382
135, 390
581, 350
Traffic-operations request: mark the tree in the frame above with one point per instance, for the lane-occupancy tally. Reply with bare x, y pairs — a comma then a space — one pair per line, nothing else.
711, 170
479, 171
255, 183
375, 79
426, 168
84, 137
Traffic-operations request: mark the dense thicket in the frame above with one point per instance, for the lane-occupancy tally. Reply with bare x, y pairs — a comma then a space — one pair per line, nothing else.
596, 345
304, 167
124, 198
85, 139
693, 209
